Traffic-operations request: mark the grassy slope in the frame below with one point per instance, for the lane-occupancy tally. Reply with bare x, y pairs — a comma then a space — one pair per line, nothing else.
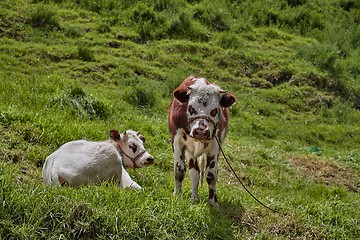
82, 71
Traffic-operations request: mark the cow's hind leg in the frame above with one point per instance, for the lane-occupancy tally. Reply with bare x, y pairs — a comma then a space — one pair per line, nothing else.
211, 178
179, 169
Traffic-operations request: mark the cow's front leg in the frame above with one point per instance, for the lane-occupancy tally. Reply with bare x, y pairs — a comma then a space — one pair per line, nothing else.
211, 177
194, 173
179, 169
126, 181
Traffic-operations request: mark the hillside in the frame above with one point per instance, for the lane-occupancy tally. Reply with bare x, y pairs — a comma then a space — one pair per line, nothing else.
76, 69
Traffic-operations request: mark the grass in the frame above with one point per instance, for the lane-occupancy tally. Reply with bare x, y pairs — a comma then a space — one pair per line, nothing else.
76, 70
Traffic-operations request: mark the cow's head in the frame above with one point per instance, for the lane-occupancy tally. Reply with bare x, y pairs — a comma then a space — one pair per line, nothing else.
132, 148
204, 101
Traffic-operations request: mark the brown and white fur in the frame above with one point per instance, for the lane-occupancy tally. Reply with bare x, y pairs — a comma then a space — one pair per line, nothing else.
198, 113
82, 162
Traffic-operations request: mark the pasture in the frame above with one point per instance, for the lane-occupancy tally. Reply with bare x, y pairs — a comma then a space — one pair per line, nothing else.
77, 69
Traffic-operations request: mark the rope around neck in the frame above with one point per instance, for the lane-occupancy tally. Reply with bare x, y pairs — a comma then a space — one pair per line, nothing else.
242, 184
133, 159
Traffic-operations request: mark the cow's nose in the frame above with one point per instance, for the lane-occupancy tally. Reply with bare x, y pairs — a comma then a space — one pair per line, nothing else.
201, 133
150, 160
202, 125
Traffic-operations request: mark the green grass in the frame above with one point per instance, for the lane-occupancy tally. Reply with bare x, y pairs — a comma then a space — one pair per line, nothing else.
74, 70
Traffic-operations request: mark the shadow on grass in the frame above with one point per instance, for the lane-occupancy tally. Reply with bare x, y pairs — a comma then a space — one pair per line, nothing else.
230, 212
232, 209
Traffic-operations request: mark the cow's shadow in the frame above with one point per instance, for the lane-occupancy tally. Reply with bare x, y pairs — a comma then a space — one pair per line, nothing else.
232, 209
230, 212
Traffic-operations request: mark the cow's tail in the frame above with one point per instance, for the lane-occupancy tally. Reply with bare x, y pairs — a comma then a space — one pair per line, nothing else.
202, 161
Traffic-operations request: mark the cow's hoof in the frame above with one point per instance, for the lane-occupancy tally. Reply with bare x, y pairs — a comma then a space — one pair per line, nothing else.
194, 198
136, 186
177, 191
213, 203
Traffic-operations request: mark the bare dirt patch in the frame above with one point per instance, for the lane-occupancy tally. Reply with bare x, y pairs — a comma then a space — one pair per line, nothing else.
327, 172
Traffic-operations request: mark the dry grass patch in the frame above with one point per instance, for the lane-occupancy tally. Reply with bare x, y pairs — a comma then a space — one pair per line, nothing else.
326, 172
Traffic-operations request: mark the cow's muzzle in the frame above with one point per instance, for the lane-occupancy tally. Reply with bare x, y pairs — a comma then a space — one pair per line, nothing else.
149, 161
202, 131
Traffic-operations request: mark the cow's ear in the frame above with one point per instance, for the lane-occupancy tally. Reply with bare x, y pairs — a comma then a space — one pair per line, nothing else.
142, 138
227, 100
181, 95
115, 135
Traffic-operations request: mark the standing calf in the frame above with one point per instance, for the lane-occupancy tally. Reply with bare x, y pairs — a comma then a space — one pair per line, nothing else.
81, 162
197, 114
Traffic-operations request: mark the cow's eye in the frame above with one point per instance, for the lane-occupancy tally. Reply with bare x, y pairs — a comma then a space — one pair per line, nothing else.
191, 110
133, 147
214, 112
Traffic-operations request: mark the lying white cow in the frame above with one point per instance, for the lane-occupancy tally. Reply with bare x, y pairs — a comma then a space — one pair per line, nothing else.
81, 162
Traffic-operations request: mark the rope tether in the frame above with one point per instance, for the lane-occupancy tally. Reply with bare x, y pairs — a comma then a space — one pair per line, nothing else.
242, 184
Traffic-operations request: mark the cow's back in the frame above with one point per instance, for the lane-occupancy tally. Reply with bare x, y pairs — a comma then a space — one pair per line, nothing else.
177, 117
80, 162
